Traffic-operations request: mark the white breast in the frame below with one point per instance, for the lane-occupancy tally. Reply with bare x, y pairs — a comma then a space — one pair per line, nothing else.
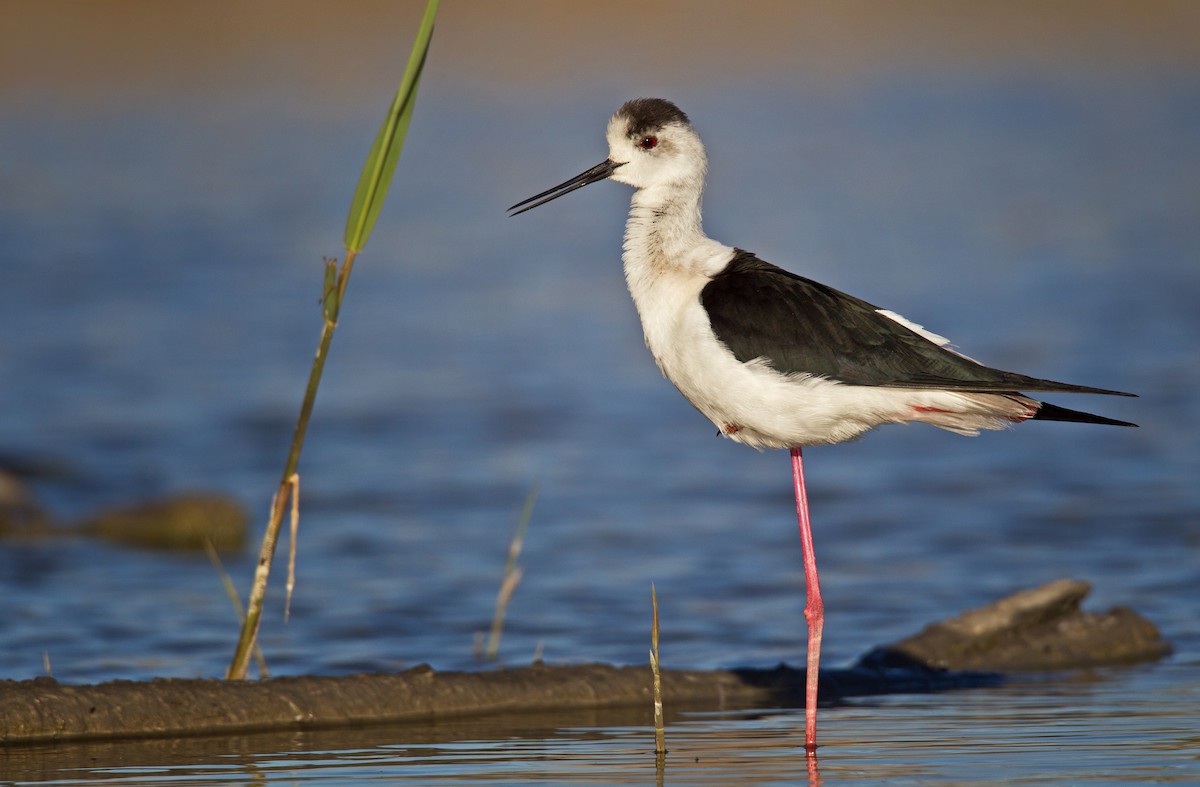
748, 402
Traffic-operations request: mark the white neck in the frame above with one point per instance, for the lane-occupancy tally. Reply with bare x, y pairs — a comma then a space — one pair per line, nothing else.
668, 261
664, 233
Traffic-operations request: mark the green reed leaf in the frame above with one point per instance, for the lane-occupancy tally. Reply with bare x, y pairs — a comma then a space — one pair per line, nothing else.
377, 172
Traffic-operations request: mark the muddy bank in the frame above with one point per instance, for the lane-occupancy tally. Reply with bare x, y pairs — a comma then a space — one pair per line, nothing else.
1039, 629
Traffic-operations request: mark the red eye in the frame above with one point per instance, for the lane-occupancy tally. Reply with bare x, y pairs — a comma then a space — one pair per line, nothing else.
648, 142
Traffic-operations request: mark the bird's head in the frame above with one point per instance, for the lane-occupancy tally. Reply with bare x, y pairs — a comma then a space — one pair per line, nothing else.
651, 146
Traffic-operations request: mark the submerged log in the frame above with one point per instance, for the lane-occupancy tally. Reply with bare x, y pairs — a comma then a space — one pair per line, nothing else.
45, 710
1034, 630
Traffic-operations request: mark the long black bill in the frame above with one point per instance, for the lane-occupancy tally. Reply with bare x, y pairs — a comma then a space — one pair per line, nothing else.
601, 171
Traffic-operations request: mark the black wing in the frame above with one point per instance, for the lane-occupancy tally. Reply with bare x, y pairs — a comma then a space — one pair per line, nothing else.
798, 325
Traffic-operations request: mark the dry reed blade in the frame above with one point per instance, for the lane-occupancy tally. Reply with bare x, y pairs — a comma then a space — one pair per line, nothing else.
234, 599
512, 574
660, 735
291, 578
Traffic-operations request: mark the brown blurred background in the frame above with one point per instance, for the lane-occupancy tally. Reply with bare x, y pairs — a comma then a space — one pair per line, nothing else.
97, 50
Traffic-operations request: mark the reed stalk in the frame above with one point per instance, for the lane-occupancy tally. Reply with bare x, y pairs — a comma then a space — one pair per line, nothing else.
368, 199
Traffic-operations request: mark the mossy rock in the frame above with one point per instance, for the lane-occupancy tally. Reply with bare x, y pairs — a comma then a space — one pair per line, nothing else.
184, 521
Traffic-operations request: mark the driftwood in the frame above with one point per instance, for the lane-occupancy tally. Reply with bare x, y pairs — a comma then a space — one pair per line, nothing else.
1033, 630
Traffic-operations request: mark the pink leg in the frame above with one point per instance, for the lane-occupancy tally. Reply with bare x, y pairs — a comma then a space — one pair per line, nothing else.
814, 608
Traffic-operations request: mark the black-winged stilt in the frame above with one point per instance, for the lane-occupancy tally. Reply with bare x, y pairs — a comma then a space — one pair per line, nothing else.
773, 359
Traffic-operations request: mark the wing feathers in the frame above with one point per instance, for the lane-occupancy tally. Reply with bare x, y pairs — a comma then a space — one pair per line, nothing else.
801, 326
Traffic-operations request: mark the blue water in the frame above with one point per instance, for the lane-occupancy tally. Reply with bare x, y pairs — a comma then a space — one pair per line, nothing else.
160, 310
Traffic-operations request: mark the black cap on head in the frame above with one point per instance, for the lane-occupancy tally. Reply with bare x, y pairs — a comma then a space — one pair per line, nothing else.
647, 114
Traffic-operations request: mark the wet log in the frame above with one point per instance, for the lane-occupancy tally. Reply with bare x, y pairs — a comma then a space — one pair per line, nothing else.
45, 710
1041, 629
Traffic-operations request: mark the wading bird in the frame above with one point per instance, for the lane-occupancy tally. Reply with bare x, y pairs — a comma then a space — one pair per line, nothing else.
773, 359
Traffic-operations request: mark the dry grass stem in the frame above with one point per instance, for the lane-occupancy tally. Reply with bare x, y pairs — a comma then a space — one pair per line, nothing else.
294, 482
660, 735
235, 600
512, 574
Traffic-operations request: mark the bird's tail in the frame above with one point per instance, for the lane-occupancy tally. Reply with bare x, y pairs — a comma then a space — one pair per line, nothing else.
1052, 412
